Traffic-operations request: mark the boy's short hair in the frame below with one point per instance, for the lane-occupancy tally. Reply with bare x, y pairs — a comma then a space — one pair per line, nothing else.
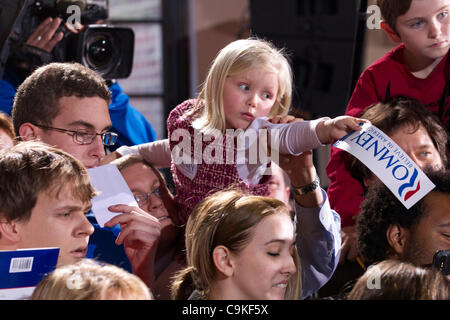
37, 98
392, 9
30, 168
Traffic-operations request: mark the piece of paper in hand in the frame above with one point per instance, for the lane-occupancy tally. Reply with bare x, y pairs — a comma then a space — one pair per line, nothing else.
388, 162
112, 189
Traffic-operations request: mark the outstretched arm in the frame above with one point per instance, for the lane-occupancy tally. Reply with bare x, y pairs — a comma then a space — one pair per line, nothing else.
157, 153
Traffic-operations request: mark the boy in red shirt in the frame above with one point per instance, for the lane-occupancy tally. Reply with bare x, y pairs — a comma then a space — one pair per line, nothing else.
417, 67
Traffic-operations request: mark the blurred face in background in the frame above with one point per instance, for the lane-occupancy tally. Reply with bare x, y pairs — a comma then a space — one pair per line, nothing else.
145, 185
418, 146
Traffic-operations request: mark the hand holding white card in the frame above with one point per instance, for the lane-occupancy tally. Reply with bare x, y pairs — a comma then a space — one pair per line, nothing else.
112, 189
388, 162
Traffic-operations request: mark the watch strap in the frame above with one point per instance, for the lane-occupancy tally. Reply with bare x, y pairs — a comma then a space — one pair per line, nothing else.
308, 188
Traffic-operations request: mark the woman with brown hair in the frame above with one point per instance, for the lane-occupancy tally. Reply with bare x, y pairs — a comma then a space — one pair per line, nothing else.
239, 247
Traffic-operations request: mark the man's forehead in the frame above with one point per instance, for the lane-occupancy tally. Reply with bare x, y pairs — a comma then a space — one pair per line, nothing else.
87, 112
438, 202
143, 171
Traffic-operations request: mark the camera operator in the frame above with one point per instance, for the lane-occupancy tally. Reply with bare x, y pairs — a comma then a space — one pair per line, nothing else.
127, 122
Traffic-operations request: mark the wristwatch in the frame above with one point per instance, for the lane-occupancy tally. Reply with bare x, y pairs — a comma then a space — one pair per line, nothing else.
308, 188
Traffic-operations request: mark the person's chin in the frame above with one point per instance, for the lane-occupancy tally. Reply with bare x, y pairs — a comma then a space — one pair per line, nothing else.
68, 259
166, 222
277, 293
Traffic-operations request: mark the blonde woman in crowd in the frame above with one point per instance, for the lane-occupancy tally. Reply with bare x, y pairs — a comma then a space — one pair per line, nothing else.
89, 280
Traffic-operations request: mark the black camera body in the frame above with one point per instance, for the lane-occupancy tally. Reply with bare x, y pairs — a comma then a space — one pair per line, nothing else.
106, 49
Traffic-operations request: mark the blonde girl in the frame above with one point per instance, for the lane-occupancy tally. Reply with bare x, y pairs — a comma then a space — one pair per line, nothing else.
248, 84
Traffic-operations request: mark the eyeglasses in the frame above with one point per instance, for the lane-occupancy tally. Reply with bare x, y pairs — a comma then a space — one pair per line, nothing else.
142, 198
83, 137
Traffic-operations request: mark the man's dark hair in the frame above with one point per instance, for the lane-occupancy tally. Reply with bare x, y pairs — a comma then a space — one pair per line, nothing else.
381, 208
37, 98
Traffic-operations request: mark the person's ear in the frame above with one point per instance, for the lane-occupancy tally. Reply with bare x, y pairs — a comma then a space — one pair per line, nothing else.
28, 132
397, 237
390, 32
9, 231
222, 260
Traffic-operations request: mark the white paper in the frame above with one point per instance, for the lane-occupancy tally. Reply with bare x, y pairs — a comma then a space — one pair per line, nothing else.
388, 162
112, 189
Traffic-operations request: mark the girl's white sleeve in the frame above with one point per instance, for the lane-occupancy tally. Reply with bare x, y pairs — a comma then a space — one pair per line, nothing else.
293, 138
157, 152
286, 138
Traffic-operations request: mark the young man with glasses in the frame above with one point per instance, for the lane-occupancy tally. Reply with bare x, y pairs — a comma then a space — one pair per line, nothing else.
66, 105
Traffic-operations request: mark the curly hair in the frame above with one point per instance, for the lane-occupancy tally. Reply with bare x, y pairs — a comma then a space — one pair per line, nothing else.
381, 208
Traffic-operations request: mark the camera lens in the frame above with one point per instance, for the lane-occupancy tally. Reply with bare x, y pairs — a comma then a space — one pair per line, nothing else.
100, 51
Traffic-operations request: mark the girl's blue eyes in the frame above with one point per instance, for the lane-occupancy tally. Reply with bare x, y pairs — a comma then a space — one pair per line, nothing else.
246, 87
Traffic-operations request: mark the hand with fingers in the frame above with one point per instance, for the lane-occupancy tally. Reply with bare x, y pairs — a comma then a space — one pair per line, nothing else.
139, 234
45, 36
333, 129
301, 172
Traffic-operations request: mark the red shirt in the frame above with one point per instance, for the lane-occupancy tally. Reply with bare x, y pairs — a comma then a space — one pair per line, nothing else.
386, 78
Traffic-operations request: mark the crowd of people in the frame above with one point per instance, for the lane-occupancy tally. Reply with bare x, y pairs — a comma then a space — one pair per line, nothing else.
235, 227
